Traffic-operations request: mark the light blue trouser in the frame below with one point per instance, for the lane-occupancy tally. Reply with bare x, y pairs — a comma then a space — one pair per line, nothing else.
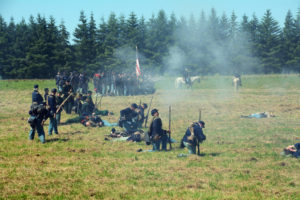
52, 126
191, 148
163, 140
58, 117
40, 130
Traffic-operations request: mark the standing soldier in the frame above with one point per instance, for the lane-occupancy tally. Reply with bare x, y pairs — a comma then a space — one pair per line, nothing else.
36, 96
67, 90
90, 101
57, 79
74, 80
38, 115
59, 101
46, 90
141, 114
157, 134
113, 83
52, 112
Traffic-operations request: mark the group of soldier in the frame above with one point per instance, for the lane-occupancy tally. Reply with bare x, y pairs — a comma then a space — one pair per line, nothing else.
121, 84
131, 118
52, 105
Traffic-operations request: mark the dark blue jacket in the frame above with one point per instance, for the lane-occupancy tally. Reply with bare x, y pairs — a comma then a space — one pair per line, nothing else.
156, 128
128, 114
37, 97
198, 134
52, 104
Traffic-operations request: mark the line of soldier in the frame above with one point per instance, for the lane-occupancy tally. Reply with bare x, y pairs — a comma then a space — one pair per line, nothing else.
121, 84
79, 82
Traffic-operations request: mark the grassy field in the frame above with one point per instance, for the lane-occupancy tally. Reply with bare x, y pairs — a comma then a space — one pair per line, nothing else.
240, 158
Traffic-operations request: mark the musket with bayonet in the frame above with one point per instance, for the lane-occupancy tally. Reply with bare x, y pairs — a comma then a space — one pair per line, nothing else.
146, 118
59, 107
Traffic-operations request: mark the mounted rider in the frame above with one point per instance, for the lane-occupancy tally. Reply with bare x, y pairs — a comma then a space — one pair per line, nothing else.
186, 76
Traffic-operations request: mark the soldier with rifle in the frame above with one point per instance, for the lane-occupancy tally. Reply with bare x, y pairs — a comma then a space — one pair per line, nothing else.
157, 134
128, 118
141, 114
67, 90
52, 112
147, 116
59, 101
193, 136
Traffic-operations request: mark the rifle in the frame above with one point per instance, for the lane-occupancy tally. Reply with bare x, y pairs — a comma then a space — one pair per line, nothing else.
59, 107
146, 118
100, 102
198, 145
170, 128
199, 114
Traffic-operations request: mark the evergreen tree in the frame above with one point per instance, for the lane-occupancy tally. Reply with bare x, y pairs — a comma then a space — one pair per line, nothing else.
289, 42
81, 40
4, 63
269, 44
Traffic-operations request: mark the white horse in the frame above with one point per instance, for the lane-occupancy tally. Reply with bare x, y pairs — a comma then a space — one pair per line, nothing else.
179, 81
237, 82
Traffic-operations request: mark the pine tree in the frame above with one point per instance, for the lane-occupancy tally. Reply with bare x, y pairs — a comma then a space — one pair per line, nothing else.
289, 42
81, 45
4, 64
269, 44
297, 48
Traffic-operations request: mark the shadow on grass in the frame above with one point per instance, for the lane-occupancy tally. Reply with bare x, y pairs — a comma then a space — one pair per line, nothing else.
57, 140
210, 154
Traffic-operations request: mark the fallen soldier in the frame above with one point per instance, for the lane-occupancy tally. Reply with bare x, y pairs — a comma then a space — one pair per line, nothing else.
259, 115
293, 150
137, 136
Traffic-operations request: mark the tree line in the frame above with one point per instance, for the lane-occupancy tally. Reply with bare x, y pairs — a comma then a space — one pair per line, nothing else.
208, 44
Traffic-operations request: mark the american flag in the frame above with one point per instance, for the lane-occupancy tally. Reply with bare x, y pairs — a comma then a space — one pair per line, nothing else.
137, 68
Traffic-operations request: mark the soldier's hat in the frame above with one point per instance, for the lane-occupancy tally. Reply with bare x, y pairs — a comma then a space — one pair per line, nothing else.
90, 92
145, 105
36, 86
54, 90
202, 123
46, 89
154, 111
134, 105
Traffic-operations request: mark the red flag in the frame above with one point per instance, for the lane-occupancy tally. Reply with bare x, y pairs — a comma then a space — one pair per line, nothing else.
137, 68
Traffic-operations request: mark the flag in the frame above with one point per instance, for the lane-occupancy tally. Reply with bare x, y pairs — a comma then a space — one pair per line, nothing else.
137, 67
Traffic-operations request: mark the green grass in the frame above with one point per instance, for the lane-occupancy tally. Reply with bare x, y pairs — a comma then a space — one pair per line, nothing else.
240, 159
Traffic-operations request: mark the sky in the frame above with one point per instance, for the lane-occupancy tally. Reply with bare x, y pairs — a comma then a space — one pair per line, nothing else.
69, 10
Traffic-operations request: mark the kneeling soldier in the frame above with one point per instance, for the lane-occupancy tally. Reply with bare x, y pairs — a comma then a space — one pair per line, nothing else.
193, 136
156, 133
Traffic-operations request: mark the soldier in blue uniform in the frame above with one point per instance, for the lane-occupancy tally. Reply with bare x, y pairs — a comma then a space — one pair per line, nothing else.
67, 90
128, 118
36, 96
59, 101
46, 93
156, 133
293, 150
38, 115
193, 135
141, 114
52, 112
